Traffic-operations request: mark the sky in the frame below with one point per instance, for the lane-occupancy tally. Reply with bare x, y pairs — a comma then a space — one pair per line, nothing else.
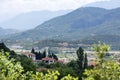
10, 8
105, 4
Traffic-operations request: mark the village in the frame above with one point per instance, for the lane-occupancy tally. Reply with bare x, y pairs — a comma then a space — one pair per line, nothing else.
67, 55
42, 61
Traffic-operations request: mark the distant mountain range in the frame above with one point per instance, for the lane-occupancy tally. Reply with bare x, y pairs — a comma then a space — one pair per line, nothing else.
88, 24
6, 32
31, 19
79, 24
105, 4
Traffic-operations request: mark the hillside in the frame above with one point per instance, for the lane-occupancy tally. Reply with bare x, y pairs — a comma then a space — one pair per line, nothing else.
79, 24
88, 25
31, 19
4, 32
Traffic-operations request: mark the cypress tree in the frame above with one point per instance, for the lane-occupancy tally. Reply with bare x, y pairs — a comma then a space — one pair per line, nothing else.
85, 61
54, 56
80, 60
44, 54
33, 50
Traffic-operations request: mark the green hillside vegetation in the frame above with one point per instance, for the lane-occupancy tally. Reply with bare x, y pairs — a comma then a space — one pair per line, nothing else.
84, 22
88, 24
113, 40
6, 32
25, 61
11, 68
104, 70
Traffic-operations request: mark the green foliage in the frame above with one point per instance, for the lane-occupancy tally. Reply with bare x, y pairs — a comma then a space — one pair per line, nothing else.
54, 56
40, 55
109, 39
80, 55
26, 62
74, 65
50, 75
108, 71
44, 54
11, 70
82, 59
100, 50
69, 78
33, 50
64, 71
100, 22
4, 48
62, 68
85, 61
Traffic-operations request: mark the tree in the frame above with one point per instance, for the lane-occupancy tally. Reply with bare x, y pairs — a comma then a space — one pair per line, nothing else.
49, 54
26, 62
85, 61
44, 54
33, 50
54, 56
11, 70
101, 50
73, 64
80, 60
106, 70
4, 48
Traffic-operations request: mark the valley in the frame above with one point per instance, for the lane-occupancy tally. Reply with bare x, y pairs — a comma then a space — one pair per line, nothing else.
85, 26
49, 40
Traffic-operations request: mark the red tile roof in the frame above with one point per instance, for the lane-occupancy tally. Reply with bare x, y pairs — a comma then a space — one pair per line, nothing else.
48, 59
93, 63
28, 53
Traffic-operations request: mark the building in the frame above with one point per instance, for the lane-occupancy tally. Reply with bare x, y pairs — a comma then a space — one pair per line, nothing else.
64, 60
30, 55
48, 60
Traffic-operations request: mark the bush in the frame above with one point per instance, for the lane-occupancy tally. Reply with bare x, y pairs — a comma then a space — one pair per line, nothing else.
11, 70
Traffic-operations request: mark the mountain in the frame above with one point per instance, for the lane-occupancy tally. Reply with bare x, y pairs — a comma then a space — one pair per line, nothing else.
88, 24
78, 24
5, 32
31, 19
105, 4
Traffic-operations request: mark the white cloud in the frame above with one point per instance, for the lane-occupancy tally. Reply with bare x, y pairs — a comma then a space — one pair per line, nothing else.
12, 7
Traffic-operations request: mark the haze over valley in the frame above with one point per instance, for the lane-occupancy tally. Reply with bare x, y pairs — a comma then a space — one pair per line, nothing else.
85, 25
59, 40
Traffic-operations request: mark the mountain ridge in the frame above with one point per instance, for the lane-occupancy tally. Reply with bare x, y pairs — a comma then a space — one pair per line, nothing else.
29, 20
5, 32
93, 22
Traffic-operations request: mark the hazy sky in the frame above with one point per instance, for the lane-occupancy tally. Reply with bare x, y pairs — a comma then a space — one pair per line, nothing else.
10, 8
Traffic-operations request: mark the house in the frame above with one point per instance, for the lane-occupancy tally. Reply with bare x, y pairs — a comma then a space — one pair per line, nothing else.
37, 61
93, 64
48, 60
64, 60
30, 55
